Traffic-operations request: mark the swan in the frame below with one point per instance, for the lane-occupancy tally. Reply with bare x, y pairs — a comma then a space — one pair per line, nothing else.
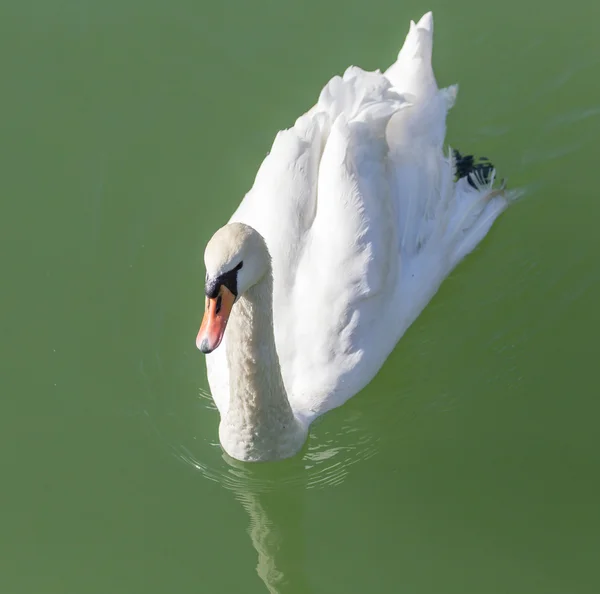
355, 218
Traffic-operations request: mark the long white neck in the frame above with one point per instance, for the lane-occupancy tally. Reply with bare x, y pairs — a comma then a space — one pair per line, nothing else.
259, 423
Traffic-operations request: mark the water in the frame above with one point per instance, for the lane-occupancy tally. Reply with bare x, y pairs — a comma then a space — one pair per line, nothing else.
130, 131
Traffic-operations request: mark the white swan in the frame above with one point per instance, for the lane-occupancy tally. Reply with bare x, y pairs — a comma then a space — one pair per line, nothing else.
353, 222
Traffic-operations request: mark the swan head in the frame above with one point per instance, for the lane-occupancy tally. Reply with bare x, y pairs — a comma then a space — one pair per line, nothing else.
236, 258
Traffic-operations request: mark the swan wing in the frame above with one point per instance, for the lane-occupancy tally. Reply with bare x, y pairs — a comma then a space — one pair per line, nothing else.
281, 207
364, 218
349, 259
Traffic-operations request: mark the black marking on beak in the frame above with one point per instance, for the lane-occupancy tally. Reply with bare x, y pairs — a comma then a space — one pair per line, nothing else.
227, 279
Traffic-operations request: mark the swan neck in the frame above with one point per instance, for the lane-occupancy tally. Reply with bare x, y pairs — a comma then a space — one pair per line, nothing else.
259, 423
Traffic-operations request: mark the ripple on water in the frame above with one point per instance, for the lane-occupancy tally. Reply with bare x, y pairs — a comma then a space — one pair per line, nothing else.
323, 462
186, 419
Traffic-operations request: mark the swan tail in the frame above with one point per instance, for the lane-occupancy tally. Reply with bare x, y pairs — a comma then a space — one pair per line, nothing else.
412, 72
419, 40
476, 173
477, 202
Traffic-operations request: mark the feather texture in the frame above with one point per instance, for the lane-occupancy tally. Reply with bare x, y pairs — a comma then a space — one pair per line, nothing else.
364, 217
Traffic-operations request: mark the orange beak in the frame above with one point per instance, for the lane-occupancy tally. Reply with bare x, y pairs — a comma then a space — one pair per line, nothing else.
215, 320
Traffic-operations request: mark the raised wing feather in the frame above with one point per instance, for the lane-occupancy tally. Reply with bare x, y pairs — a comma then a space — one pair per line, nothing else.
350, 254
360, 211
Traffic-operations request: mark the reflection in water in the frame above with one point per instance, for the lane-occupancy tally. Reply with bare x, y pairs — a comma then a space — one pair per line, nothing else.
276, 529
273, 495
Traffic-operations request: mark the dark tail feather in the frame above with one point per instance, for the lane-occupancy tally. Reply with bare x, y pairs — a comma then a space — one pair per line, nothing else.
467, 167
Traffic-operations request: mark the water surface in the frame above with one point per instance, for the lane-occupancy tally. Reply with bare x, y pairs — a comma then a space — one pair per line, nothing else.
130, 131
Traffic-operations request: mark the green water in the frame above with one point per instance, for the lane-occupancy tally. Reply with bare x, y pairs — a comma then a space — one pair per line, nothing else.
129, 132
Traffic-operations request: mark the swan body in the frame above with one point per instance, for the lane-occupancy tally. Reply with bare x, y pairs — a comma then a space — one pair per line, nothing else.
354, 220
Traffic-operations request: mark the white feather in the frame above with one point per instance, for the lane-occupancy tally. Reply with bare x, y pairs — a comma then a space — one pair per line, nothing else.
358, 206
